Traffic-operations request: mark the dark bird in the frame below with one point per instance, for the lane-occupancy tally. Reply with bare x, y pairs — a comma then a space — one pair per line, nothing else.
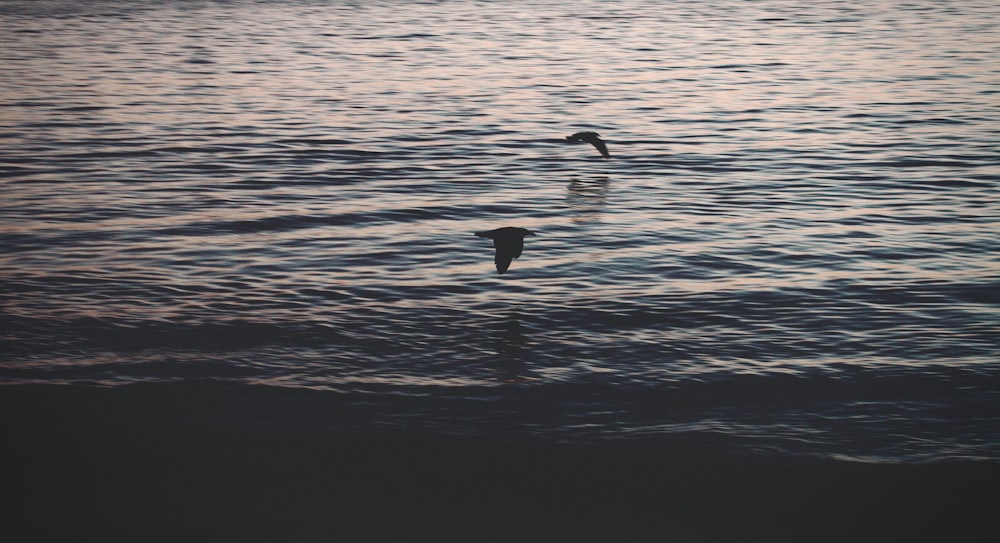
592, 138
509, 242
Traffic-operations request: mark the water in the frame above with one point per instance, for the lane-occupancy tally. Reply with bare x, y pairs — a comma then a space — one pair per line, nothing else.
791, 251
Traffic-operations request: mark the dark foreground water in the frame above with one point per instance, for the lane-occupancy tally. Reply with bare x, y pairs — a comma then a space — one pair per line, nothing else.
266, 209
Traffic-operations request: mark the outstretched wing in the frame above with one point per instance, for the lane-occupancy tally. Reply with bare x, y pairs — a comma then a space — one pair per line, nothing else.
508, 249
601, 146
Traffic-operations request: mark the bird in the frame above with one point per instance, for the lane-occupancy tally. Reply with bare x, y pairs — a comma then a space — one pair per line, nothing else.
592, 138
508, 241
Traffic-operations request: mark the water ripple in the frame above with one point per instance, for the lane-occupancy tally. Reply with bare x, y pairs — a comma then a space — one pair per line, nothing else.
797, 227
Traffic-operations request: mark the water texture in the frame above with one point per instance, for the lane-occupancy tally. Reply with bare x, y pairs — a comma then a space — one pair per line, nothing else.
792, 249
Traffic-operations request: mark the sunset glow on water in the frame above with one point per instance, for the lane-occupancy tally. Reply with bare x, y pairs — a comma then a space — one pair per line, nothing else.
798, 220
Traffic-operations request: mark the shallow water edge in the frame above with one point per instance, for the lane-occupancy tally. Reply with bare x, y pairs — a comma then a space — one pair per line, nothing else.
113, 466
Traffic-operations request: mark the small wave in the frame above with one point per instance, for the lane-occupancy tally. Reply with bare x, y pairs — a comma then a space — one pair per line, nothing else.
82, 108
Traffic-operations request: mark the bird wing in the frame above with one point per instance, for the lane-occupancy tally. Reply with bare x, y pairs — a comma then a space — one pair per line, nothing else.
507, 251
502, 261
601, 146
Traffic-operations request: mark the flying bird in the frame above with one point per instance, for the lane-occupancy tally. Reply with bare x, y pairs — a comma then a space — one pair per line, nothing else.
508, 241
592, 138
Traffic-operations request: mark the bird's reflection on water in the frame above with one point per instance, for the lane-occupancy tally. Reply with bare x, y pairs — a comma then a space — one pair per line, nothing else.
512, 348
587, 197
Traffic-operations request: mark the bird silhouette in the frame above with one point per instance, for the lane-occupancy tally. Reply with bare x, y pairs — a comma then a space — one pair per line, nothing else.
592, 138
508, 241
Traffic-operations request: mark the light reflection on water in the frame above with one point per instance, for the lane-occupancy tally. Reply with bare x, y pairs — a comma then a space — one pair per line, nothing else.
285, 193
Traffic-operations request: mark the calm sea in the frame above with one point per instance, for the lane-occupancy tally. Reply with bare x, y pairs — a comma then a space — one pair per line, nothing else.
791, 251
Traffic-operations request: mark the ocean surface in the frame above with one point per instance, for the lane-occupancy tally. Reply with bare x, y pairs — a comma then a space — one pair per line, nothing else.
792, 250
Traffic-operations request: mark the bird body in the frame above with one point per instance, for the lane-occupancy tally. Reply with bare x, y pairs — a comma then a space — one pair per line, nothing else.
592, 138
508, 242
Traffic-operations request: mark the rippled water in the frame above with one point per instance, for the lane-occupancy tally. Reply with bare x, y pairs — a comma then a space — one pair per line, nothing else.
792, 248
